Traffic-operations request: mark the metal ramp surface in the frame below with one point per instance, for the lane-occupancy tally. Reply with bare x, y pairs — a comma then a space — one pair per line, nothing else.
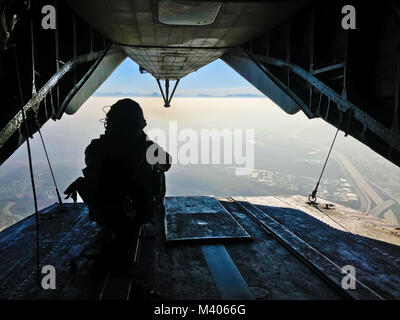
200, 218
297, 252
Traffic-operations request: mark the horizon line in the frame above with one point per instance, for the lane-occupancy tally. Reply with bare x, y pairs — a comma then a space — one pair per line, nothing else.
158, 95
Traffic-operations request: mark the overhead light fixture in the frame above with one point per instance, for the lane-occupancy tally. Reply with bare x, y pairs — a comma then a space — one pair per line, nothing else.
188, 13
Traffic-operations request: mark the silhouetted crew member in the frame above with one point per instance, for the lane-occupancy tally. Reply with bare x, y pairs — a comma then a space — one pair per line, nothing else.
121, 188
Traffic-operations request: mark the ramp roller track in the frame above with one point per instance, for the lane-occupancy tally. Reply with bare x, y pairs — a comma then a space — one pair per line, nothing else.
322, 266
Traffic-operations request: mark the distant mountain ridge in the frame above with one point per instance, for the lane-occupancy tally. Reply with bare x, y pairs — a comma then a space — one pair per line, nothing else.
158, 95
244, 95
126, 94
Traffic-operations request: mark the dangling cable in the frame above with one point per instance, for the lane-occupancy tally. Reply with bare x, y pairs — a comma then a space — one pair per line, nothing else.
60, 203
30, 164
313, 196
33, 61
53, 111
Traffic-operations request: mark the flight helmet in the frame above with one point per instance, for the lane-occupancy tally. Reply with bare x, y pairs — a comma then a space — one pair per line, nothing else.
125, 114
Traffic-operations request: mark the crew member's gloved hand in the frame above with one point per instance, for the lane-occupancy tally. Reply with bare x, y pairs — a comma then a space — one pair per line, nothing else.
72, 190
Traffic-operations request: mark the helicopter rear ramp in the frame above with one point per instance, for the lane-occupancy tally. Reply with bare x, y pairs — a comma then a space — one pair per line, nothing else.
297, 251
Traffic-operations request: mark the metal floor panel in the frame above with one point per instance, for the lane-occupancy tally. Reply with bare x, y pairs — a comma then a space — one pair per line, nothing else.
200, 218
227, 277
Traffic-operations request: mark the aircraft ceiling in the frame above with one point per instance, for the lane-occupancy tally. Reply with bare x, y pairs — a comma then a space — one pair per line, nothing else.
171, 39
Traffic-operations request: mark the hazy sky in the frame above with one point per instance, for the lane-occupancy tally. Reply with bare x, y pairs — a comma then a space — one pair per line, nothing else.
279, 137
216, 78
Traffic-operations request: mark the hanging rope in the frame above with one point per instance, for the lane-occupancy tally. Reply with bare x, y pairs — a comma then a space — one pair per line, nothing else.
60, 203
45, 107
30, 164
313, 196
33, 61
53, 111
